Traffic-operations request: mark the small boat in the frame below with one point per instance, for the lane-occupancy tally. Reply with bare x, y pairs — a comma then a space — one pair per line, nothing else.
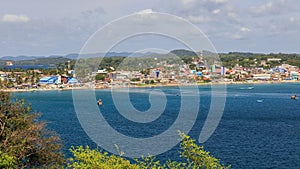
294, 97
246, 88
259, 101
99, 102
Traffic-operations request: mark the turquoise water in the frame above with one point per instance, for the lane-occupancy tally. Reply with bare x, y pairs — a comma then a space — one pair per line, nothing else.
250, 134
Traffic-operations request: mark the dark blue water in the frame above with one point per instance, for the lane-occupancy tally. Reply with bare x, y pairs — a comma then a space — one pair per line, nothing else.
250, 134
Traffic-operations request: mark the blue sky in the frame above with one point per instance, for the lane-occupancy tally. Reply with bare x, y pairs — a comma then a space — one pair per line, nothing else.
40, 27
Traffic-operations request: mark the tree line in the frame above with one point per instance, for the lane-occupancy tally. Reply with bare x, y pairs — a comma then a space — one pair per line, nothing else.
227, 59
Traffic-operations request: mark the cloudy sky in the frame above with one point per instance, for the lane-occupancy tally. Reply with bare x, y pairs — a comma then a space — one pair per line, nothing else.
40, 27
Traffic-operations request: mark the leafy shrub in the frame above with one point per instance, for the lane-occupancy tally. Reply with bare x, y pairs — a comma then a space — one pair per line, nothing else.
195, 157
25, 142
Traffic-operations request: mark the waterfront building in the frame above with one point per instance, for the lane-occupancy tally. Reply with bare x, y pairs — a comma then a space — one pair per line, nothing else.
73, 80
9, 63
262, 76
48, 80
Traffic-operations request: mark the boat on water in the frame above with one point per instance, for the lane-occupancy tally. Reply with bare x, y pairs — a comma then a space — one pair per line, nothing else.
246, 88
99, 102
259, 101
294, 97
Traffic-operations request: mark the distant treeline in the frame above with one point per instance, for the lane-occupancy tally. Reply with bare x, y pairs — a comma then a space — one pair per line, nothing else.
38, 61
149, 60
249, 59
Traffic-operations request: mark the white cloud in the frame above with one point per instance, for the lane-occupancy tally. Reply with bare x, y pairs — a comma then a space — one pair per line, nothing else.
294, 20
263, 8
237, 37
216, 11
199, 19
15, 18
187, 1
269, 8
232, 15
248, 20
204, 1
244, 29
204, 11
219, 1
145, 11
146, 16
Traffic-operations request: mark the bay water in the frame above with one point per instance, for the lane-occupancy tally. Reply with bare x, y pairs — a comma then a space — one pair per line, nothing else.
260, 126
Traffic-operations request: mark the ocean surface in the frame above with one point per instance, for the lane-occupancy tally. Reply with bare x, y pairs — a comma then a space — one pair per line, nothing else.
251, 133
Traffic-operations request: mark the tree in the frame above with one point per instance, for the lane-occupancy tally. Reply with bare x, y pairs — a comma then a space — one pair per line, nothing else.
19, 79
88, 158
195, 157
100, 77
1, 84
145, 71
25, 142
7, 161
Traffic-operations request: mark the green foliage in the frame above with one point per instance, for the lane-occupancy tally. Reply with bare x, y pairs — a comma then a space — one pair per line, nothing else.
43, 61
24, 142
195, 157
135, 79
183, 53
7, 161
100, 77
145, 71
87, 158
128, 63
108, 62
247, 59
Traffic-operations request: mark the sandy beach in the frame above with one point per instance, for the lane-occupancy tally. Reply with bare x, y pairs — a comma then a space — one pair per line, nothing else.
148, 85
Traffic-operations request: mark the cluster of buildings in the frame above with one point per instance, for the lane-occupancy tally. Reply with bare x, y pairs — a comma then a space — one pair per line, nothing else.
58, 80
163, 73
196, 72
35, 79
278, 73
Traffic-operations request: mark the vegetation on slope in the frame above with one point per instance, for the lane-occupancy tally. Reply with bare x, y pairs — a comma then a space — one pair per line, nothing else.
25, 142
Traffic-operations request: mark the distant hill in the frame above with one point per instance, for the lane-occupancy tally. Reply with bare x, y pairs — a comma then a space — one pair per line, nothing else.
58, 59
230, 59
74, 56
183, 53
24, 58
16, 58
37, 61
42, 61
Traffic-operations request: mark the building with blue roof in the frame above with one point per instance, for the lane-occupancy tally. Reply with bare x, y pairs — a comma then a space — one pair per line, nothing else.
73, 80
48, 80
58, 80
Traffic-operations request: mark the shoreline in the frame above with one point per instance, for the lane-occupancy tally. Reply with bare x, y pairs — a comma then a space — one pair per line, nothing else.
150, 86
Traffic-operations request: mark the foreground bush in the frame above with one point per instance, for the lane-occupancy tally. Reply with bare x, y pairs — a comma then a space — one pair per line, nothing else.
195, 157
24, 142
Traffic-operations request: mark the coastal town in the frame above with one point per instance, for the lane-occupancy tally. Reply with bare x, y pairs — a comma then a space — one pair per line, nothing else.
196, 72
